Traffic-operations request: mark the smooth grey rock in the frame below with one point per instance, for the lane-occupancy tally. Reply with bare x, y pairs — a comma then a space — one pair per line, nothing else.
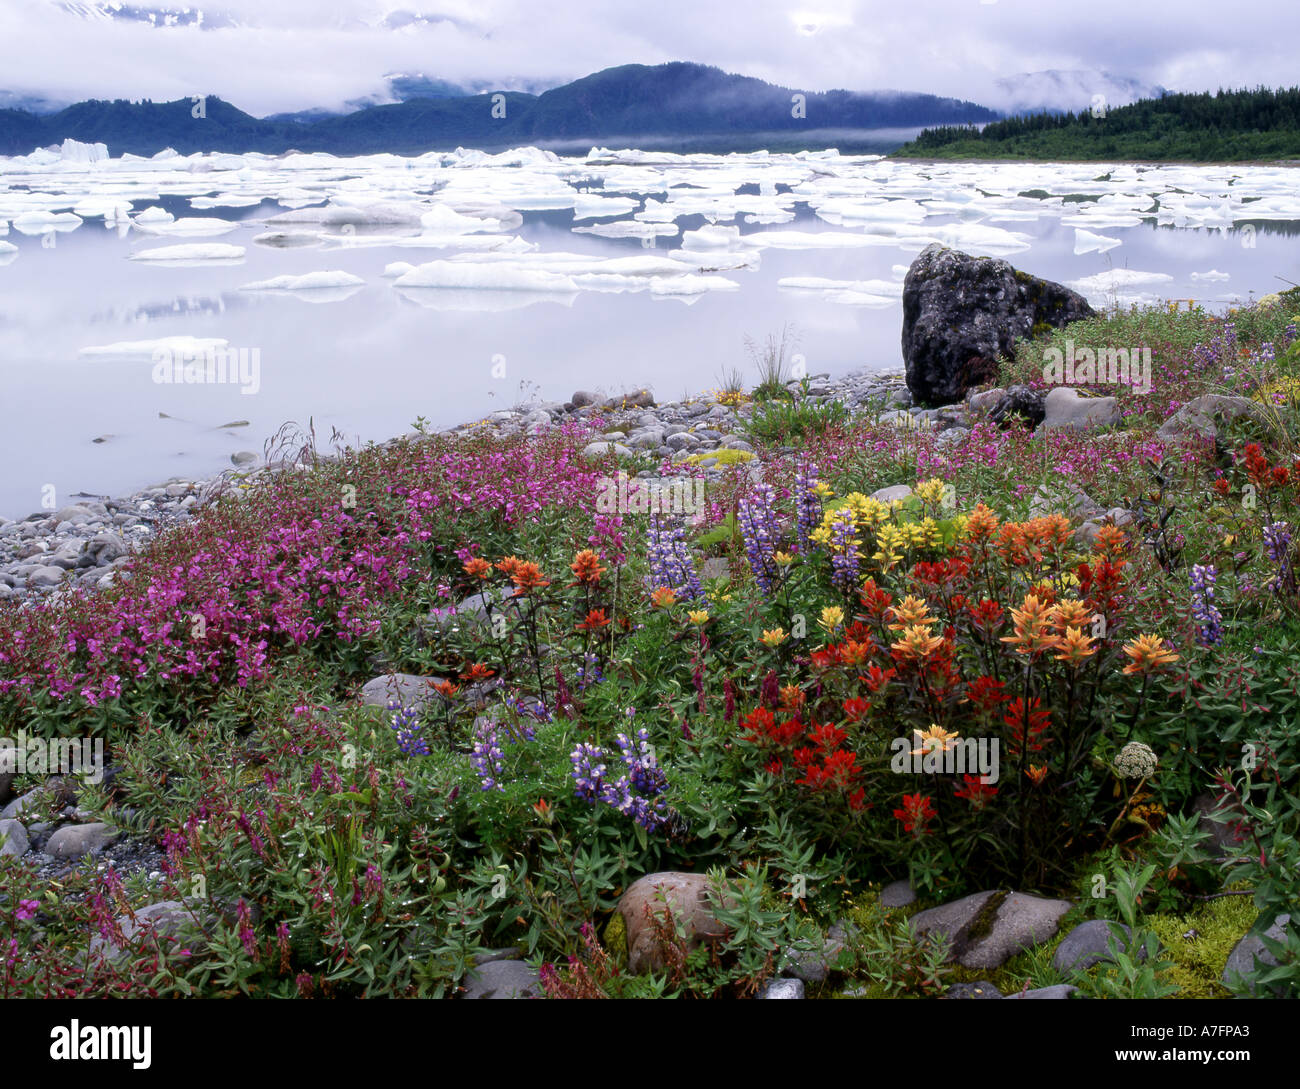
961, 314
783, 988
408, 689
952, 436
20, 807
243, 457
595, 451
987, 928
1201, 416
1065, 408
1086, 945
897, 894
686, 895
76, 840
45, 575
1241, 961
1022, 402
893, 492
13, 838
503, 979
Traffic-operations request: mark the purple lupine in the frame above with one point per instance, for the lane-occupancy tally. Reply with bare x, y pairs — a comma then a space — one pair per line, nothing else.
1209, 621
634, 794
1277, 544
406, 722
758, 526
807, 506
671, 562
844, 551
487, 756
588, 771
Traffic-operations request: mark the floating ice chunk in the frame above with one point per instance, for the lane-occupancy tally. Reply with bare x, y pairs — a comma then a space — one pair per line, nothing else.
8, 247
146, 349
44, 222
310, 281
629, 228
74, 151
712, 238
191, 251
899, 272
594, 206
718, 261
1087, 242
441, 219
8, 253
691, 285
226, 200
1102, 286
397, 268
1213, 275
188, 227
1103, 218
976, 237
152, 214
111, 208
485, 276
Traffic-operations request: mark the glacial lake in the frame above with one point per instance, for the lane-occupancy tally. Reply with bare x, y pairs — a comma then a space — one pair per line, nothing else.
457, 284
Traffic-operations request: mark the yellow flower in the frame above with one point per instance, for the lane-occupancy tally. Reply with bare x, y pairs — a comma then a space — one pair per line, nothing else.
782, 558
774, 638
1072, 614
931, 491
832, 618
935, 739
698, 616
822, 488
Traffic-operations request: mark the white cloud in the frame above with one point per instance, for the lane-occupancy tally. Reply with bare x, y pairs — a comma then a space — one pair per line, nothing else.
296, 54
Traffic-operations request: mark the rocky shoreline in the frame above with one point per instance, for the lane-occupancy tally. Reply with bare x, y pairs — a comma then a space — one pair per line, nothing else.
84, 542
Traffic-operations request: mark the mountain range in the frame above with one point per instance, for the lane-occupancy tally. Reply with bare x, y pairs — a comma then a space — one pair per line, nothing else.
668, 105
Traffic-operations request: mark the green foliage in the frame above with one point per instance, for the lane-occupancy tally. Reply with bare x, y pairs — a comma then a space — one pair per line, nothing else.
1226, 126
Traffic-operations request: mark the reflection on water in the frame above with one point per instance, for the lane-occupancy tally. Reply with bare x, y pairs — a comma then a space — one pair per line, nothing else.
368, 359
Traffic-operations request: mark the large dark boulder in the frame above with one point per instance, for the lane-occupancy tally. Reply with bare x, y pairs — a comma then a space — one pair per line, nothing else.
962, 313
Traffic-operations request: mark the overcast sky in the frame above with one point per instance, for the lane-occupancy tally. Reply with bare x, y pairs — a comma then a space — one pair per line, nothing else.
296, 54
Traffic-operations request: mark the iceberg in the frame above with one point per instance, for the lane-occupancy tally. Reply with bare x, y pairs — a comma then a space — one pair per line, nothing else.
187, 227
1087, 242
191, 251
